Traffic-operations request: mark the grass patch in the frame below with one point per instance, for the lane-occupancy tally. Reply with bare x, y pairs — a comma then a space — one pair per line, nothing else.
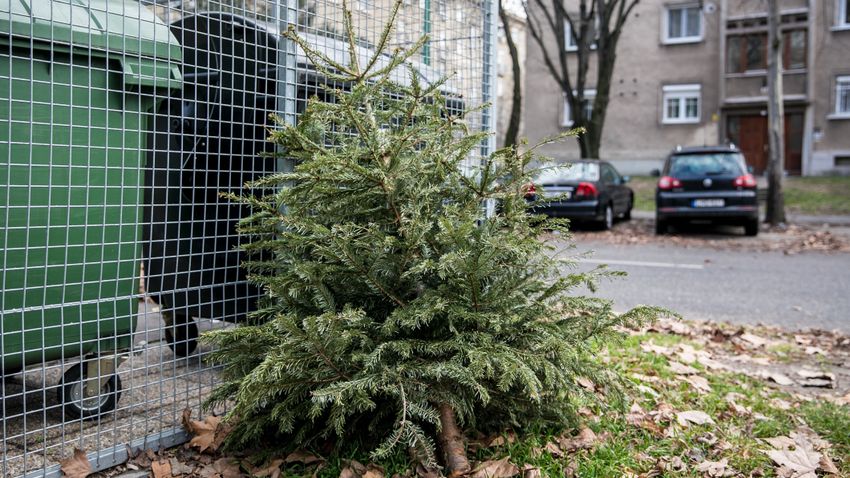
644, 188
818, 195
827, 195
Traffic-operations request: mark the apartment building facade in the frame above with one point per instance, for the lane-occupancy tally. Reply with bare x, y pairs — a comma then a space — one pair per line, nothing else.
694, 72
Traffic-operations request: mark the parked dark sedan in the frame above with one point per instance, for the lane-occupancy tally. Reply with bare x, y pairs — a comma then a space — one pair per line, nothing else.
590, 191
708, 184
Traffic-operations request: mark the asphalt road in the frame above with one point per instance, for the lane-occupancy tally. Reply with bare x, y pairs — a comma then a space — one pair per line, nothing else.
810, 290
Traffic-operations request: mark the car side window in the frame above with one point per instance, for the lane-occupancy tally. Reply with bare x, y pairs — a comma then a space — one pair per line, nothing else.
608, 175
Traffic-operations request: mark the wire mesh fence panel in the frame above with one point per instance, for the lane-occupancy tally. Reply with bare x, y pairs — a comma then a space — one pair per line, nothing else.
121, 124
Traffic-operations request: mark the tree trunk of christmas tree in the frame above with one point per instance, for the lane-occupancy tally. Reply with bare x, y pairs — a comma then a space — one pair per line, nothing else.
451, 442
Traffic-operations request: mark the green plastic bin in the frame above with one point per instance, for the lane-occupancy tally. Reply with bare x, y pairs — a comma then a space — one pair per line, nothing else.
79, 82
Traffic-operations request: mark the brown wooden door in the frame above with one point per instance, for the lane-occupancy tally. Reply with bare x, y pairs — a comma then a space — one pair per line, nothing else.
794, 143
751, 138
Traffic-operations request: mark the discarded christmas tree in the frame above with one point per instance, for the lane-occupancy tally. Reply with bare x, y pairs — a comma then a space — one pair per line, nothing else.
396, 312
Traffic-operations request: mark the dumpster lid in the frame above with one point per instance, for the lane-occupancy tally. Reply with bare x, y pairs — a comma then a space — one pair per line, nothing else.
122, 27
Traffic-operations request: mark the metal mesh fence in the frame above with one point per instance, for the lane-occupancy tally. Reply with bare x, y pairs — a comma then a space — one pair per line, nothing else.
120, 125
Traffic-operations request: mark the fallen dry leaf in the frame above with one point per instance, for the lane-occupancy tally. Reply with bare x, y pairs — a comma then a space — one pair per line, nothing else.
272, 470
656, 349
776, 377
753, 340
693, 416
813, 378
663, 412
373, 471
161, 469
354, 469
648, 390
221, 468
681, 369
76, 466
423, 472
551, 449
584, 440
710, 363
208, 434
178, 468
715, 468
700, 383
586, 384
802, 462
827, 465
529, 471
495, 469
638, 417
301, 456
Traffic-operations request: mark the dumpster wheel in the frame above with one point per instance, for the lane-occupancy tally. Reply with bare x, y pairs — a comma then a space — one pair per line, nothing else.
181, 333
72, 394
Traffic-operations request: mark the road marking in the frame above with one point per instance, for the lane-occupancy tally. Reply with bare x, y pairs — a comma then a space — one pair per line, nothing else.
666, 265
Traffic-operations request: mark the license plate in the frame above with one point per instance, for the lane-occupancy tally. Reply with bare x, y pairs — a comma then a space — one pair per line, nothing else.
558, 194
709, 203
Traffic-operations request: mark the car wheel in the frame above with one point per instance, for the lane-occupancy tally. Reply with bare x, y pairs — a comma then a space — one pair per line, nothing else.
660, 227
751, 228
608, 220
77, 405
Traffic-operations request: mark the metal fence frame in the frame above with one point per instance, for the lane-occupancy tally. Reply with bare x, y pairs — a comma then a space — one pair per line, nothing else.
35, 430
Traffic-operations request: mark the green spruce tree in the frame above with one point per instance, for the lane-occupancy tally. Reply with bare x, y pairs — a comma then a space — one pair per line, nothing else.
395, 312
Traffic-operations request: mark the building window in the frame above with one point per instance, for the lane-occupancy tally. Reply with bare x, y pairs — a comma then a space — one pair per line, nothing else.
794, 50
843, 13
749, 52
569, 40
842, 96
586, 108
746, 53
681, 104
682, 23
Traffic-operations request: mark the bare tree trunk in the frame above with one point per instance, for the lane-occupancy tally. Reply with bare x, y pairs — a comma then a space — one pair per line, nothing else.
451, 443
776, 118
584, 143
512, 133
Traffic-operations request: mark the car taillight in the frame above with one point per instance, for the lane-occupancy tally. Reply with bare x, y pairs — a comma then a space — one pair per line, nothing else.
745, 181
530, 190
586, 190
667, 182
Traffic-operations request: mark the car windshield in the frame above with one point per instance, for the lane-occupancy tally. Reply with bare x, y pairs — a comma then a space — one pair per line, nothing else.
708, 164
569, 172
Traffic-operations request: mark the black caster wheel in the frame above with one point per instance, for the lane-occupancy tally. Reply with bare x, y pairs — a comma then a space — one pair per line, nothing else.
72, 396
181, 334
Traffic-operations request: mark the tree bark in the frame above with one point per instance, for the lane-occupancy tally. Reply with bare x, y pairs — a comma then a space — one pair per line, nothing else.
451, 443
776, 118
512, 133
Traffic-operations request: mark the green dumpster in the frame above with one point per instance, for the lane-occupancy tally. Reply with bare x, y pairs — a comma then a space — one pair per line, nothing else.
79, 82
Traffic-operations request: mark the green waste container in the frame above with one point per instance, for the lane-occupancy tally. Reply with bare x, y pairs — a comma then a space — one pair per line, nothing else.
79, 82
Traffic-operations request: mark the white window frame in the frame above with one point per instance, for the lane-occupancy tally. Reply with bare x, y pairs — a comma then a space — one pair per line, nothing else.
568, 36
841, 8
665, 20
567, 114
841, 81
681, 93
